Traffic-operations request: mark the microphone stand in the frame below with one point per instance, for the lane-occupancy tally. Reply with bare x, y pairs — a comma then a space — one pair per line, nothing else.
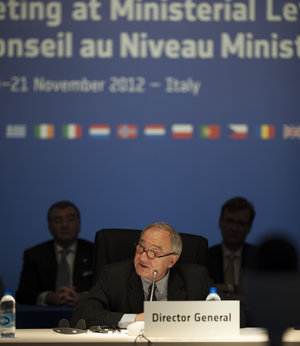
155, 272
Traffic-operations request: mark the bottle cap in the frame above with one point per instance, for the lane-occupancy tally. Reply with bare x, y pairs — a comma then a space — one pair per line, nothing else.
7, 291
213, 290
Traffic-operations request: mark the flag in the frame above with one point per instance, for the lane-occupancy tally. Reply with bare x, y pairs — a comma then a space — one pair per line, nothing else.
72, 131
99, 131
127, 131
44, 131
154, 130
291, 132
266, 131
182, 131
16, 131
210, 131
238, 131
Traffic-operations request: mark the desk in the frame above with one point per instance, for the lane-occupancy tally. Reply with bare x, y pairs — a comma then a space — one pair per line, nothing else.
47, 337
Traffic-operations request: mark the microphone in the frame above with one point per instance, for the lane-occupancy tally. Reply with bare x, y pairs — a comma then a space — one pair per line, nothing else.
64, 323
81, 324
154, 274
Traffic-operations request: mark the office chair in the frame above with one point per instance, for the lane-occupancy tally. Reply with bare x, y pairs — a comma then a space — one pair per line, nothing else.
114, 245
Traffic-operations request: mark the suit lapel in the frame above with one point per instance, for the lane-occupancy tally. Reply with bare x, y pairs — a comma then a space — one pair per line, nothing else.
78, 262
219, 265
135, 293
47, 265
176, 290
82, 261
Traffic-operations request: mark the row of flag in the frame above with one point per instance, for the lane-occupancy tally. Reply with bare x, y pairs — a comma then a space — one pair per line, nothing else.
131, 131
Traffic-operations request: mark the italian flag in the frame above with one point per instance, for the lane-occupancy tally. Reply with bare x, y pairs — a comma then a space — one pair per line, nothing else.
72, 131
44, 131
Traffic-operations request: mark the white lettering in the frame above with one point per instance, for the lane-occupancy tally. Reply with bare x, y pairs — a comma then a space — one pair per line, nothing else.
246, 46
138, 45
60, 47
189, 10
50, 12
100, 48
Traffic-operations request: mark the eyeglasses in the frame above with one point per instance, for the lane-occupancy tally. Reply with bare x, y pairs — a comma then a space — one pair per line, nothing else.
151, 254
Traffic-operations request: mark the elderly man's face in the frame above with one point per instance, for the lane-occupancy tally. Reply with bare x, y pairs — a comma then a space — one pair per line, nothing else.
158, 240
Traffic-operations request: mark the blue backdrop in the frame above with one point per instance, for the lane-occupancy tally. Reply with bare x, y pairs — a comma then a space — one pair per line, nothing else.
84, 84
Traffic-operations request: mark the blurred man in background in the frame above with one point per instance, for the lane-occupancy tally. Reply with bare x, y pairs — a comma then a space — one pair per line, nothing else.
59, 271
226, 260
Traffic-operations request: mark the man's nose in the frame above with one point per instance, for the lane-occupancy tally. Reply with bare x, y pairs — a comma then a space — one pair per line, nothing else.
234, 226
144, 255
65, 223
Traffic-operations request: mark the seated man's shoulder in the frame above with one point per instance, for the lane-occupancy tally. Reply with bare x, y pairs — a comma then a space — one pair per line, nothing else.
251, 247
39, 247
191, 269
85, 243
214, 249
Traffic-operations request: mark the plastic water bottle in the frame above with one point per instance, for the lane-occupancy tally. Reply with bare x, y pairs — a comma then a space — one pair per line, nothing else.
213, 295
8, 315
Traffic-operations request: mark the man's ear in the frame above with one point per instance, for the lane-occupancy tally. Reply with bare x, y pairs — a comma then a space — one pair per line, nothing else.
173, 260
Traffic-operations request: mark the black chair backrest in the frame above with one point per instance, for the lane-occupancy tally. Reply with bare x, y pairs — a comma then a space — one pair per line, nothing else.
114, 245
194, 249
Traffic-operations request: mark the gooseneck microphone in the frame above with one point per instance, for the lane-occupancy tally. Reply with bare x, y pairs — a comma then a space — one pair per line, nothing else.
154, 274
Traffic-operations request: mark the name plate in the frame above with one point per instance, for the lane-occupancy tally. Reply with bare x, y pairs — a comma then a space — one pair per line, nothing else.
192, 318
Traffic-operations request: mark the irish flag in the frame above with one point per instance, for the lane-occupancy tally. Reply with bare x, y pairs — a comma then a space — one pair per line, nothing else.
44, 131
72, 131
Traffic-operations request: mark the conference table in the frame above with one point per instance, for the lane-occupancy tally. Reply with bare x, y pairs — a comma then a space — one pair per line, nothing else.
48, 337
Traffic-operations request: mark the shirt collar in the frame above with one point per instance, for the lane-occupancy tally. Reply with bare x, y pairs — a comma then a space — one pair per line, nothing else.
227, 252
161, 285
72, 248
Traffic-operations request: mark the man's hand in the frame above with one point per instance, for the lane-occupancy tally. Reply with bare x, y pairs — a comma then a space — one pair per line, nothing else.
139, 317
64, 296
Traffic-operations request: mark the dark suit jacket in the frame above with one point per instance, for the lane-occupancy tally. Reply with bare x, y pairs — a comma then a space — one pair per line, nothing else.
119, 290
39, 270
215, 261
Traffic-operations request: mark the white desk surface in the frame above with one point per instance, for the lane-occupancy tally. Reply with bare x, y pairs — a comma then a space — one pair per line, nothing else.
47, 337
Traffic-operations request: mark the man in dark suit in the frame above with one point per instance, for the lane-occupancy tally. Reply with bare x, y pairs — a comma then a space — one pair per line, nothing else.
118, 296
226, 260
57, 272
